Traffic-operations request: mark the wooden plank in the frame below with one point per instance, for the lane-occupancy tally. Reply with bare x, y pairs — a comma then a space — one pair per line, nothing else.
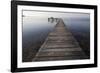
59, 58
61, 49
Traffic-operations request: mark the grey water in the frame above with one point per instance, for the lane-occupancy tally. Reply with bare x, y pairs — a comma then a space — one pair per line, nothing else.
36, 29
80, 29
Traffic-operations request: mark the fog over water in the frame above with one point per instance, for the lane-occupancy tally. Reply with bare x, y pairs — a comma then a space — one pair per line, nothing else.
36, 26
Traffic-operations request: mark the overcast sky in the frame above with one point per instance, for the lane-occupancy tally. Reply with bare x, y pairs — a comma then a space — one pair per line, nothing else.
40, 14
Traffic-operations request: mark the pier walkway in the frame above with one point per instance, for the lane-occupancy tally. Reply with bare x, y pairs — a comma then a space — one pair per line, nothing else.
60, 45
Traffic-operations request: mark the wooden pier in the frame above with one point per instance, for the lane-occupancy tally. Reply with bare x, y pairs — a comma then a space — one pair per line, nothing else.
60, 45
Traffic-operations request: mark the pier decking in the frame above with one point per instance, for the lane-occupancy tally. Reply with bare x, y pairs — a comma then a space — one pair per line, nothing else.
60, 45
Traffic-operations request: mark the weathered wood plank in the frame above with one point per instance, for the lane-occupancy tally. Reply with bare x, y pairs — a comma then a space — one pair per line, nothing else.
59, 58
61, 49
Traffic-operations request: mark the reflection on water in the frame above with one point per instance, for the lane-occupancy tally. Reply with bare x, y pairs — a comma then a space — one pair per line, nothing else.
35, 31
